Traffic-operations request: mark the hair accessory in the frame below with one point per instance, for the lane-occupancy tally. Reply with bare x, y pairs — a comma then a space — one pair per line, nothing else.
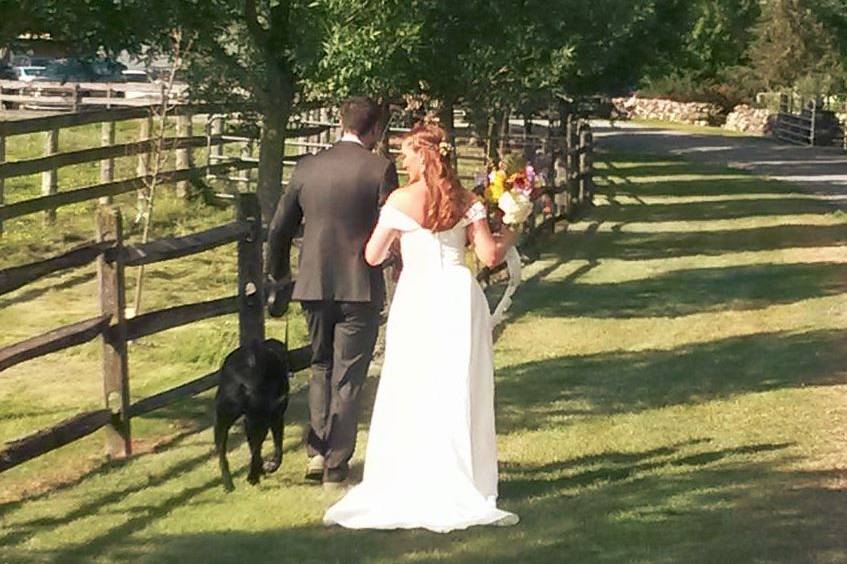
445, 148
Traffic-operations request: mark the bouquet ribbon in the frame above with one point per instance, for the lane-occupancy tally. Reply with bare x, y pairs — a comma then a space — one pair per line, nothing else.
513, 266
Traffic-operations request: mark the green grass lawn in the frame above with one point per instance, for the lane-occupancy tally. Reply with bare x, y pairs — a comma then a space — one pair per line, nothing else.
670, 387
692, 128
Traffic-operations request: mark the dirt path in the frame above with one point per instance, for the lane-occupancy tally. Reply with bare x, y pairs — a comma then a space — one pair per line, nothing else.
817, 170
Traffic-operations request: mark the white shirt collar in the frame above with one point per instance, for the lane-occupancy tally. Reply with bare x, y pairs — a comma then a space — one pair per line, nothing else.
352, 137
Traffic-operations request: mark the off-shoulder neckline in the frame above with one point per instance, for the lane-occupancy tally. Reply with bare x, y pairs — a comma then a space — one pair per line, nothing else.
419, 226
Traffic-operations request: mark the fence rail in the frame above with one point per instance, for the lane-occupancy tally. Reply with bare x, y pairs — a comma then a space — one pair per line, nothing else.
809, 122
42, 442
76, 95
53, 341
13, 278
116, 188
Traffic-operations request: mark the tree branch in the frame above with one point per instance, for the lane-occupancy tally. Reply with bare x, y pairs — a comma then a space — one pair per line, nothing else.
254, 28
228, 59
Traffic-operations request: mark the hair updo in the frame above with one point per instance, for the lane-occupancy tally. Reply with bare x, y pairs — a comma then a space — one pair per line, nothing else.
447, 200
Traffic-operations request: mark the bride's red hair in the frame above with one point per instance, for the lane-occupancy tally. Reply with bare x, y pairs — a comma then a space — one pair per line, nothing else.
447, 200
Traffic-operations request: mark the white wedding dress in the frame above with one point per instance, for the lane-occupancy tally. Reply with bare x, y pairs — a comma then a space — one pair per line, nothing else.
431, 458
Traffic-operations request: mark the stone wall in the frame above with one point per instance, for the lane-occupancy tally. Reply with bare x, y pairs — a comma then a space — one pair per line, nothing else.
747, 119
742, 118
697, 113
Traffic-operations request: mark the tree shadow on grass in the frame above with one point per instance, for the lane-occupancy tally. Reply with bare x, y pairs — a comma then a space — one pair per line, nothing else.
685, 292
33, 293
544, 394
640, 246
722, 210
190, 417
681, 502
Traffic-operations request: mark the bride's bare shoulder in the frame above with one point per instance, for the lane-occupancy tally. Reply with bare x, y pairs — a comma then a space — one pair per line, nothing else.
406, 199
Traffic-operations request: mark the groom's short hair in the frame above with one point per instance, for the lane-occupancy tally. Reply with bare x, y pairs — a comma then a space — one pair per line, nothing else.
359, 114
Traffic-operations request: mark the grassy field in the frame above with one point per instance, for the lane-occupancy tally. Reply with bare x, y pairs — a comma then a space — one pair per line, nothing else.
670, 388
691, 128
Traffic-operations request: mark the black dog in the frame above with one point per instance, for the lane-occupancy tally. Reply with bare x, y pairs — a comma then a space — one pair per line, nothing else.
254, 383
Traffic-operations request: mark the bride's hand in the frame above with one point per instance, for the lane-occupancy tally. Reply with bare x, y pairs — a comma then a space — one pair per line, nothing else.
506, 236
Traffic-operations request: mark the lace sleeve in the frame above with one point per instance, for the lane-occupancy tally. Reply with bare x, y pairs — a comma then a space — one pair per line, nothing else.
475, 213
393, 219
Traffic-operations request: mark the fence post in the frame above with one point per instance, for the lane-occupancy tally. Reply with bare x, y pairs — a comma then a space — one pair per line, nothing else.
145, 128
570, 164
246, 153
77, 99
50, 178
812, 132
325, 137
2, 179
110, 275
107, 166
251, 311
585, 141
217, 128
184, 128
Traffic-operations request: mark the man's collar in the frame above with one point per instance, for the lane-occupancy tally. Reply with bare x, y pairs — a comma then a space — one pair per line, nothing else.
352, 137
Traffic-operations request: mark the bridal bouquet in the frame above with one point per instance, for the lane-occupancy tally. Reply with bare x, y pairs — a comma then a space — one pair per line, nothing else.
512, 189
510, 198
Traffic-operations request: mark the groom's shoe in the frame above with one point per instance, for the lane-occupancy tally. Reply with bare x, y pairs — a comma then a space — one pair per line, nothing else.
335, 479
315, 468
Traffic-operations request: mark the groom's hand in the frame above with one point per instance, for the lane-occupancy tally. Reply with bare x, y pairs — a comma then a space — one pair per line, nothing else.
278, 295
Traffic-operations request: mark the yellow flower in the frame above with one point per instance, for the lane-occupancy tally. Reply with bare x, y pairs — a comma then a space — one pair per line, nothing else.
496, 188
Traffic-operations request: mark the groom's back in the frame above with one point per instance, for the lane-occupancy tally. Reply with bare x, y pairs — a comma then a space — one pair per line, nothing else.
339, 193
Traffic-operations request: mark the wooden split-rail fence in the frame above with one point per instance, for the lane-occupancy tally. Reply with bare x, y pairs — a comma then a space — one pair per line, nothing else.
571, 187
217, 165
113, 328
75, 96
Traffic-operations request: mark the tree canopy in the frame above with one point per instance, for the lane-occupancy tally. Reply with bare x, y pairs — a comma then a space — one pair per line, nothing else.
493, 57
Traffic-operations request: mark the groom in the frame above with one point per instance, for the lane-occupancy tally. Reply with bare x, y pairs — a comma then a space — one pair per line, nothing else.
338, 193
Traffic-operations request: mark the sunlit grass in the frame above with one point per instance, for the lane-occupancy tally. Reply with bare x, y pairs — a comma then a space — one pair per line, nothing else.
691, 128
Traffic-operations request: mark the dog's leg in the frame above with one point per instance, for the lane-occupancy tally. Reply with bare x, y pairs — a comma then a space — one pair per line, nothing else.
223, 422
256, 432
277, 430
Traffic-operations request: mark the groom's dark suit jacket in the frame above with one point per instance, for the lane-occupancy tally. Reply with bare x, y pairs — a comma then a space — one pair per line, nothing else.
338, 192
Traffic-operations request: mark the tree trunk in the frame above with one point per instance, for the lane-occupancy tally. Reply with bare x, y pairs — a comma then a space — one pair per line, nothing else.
382, 145
504, 131
271, 153
446, 117
493, 136
527, 124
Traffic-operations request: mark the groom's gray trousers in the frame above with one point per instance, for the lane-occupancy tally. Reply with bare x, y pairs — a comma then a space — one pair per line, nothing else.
343, 336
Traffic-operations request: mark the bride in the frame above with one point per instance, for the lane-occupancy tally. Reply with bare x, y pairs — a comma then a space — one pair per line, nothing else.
431, 458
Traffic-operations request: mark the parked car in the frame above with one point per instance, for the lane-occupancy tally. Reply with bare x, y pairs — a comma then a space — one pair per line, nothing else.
29, 73
84, 70
136, 76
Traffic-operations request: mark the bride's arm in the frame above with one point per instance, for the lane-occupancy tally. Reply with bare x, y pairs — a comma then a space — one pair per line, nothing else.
491, 249
379, 245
